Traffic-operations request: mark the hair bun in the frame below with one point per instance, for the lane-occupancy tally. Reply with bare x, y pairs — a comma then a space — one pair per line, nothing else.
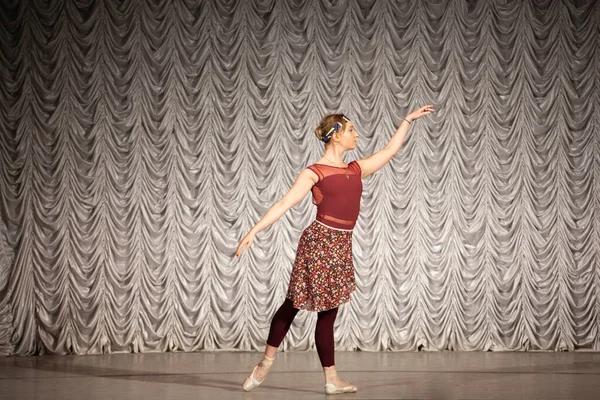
327, 123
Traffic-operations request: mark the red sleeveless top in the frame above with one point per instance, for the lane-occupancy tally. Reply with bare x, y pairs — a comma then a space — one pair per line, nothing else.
337, 194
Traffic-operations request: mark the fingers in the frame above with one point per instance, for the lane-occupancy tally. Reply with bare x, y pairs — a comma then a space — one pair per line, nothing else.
238, 252
243, 244
421, 112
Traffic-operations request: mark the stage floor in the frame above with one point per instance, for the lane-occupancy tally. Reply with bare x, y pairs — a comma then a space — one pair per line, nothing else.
297, 375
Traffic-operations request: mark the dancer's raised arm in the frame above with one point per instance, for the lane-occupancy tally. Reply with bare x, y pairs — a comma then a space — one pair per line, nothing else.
377, 160
299, 190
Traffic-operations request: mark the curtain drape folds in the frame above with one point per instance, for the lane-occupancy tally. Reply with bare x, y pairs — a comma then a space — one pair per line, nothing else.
6, 319
140, 140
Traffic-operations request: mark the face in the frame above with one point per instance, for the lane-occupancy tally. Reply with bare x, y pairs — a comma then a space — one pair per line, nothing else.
347, 139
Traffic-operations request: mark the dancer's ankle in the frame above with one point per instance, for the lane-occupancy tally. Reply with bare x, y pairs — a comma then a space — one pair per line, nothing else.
264, 366
266, 362
331, 375
270, 351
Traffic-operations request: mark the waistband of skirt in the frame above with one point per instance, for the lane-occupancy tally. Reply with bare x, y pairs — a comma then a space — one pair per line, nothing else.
331, 227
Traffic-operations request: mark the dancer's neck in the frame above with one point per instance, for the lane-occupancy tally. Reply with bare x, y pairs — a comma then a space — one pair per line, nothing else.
335, 157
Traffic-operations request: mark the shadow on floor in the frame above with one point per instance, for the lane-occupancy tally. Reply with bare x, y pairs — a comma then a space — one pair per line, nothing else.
66, 366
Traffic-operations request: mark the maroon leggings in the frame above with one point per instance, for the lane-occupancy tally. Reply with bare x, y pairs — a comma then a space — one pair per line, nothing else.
323, 333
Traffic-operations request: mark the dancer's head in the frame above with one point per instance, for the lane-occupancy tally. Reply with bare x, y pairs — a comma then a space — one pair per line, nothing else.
337, 130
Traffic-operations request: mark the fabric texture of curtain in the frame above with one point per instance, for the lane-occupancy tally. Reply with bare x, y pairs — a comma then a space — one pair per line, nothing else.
6, 319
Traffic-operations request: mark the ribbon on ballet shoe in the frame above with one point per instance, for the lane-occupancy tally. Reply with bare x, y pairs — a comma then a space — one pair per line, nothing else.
266, 362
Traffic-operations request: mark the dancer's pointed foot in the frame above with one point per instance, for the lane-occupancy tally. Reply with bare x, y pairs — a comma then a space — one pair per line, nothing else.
258, 374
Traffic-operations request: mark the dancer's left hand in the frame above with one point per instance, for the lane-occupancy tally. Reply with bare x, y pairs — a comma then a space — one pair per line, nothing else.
245, 243
420, 112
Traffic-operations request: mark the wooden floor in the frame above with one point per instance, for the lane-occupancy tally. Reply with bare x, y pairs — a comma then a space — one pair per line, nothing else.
296, 375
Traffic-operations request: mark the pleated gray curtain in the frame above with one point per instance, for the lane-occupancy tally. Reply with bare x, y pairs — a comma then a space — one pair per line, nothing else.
140, 140
6, 259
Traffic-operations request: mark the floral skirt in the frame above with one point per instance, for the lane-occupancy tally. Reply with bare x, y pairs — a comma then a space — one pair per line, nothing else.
323, 273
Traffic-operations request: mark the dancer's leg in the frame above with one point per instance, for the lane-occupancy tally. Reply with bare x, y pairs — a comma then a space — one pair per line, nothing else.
282, 320
324, 337
280, 324
326, 349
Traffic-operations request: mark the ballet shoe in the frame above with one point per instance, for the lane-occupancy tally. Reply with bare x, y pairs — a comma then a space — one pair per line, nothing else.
251, 383
330, 388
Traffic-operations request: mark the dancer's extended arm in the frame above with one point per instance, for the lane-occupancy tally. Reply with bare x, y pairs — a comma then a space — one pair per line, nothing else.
299, 190
377, 160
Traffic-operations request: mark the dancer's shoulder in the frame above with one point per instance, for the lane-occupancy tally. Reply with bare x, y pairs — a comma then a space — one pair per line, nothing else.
314, 168
355, 166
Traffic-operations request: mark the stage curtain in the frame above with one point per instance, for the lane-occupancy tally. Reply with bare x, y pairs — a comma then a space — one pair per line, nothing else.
140, 140
6, 259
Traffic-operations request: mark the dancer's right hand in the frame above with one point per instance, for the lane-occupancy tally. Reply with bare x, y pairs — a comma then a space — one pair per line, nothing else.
246, 242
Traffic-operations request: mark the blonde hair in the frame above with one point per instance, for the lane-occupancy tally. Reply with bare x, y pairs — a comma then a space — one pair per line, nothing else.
328, 122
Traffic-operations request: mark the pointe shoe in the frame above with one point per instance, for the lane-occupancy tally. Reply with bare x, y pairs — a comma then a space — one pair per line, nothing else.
330, 388
251, 383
